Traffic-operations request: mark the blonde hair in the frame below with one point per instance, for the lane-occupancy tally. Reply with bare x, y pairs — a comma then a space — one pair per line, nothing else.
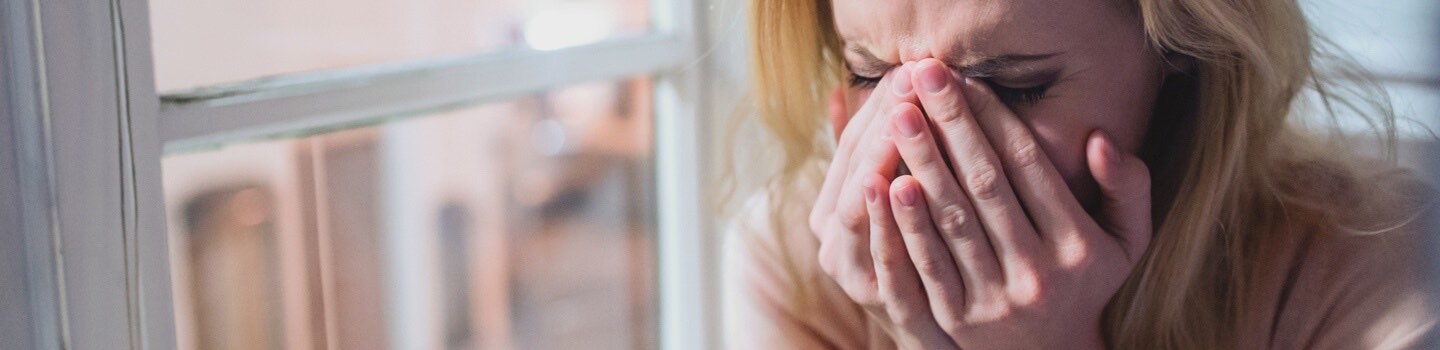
1235, 140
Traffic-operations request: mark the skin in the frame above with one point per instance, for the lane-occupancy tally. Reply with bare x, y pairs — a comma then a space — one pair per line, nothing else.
1022, 215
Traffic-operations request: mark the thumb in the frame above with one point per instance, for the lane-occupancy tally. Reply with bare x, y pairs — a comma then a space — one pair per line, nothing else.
839, 116
1125, 187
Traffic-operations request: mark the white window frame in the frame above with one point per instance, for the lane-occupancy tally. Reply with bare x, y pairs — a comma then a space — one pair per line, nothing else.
84, 132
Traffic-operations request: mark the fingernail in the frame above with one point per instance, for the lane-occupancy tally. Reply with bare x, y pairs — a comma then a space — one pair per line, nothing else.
908, 124
870, 194
934, 78
908, 196
902, 82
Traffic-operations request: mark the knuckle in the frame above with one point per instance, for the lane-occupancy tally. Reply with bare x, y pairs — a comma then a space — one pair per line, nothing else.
951, 325
1027, 290
1074, 252
859, 297
949, 111
1025, 152
866, 300
929, 265
984, 181
825, 259
991, 312
863, 295
903, 314
854, 219
882, 151
878, 140
953, 220
892, 263
1004, 311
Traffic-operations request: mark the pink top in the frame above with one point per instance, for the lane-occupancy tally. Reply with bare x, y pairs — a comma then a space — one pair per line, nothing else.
1323, 291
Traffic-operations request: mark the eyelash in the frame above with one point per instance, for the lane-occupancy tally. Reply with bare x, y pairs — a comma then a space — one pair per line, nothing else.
1019, 96
863, 82
1011, 96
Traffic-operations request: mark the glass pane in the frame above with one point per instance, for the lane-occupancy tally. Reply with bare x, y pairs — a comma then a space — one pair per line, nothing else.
523, 224
1395, 41
1392, 37
207, 42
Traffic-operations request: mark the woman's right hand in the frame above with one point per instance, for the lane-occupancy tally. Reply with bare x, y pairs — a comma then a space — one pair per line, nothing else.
839, 219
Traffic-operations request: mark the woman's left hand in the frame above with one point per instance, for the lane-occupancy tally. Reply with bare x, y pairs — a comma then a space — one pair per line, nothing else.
1006, 255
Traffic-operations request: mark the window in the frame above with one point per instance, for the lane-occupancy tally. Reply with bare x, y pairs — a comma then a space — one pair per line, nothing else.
1395, 42
277, 37
526, 223
371, 174
184, 164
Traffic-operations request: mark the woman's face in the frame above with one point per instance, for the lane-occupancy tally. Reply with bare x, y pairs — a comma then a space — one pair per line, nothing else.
1065, 67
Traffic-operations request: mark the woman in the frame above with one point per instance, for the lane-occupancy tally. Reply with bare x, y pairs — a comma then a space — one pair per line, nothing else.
1064, 174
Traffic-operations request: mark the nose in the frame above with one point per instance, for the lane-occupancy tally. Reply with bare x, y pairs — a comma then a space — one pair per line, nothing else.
914, 51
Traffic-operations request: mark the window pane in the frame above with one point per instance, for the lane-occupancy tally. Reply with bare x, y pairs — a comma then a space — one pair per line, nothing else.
523, 224
1392, 37
206, 42
1395, 41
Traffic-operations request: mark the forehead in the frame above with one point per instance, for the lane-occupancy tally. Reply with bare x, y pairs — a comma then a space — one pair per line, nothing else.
908, 30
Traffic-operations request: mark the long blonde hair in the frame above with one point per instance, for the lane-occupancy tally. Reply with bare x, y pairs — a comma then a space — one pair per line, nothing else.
1234, 138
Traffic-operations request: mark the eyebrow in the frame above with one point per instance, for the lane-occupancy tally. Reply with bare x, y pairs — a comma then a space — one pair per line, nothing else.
983, 67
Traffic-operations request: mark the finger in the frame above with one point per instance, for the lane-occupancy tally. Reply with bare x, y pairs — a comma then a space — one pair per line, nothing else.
839, 116
880, 158
846, 259
977, 167
824, 203
847, 212
877, 154
949, 208
895, 276
938, 270
1125, 187
837, 176
1050, 204
851, 245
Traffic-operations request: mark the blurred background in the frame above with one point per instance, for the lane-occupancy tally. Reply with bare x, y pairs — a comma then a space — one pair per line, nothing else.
527, 222
524, 223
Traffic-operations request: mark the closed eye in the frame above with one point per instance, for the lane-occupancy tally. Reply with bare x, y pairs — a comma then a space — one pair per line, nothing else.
1026, 96
863, 82
1013, 96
